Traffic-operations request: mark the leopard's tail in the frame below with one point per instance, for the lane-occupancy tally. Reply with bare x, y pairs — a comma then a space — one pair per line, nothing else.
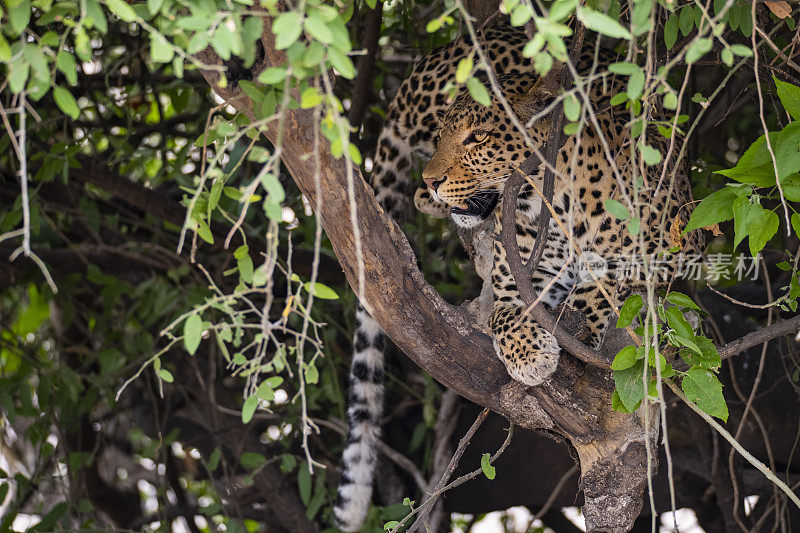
363, 424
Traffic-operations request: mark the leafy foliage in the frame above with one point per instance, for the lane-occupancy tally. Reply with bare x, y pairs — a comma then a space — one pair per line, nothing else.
207, 368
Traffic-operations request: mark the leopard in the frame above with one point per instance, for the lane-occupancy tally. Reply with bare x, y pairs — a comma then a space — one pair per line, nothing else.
479, 148
471, 150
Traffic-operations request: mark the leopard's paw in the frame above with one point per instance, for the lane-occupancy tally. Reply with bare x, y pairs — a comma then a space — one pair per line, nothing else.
530, 359
425, 203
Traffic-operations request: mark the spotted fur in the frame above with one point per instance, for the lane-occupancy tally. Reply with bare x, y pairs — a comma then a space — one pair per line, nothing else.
479, 147
410, 132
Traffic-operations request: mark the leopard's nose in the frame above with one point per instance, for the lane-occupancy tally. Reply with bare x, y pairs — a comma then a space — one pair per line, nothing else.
433, 182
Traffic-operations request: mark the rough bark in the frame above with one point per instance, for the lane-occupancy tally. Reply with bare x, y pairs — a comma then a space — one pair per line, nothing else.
446, 341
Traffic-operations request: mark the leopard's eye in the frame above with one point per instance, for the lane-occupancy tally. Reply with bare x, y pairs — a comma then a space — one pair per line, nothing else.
476, 137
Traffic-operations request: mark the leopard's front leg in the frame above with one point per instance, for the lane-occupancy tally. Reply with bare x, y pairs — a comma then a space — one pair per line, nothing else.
529, 351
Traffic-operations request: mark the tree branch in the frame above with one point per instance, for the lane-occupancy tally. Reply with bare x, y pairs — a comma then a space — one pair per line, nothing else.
429, 503
358, 102
760, 336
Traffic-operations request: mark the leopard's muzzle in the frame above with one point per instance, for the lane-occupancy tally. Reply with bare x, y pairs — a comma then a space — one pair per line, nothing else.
481, 204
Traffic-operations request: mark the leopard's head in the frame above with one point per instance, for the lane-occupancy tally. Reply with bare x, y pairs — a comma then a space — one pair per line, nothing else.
478, 148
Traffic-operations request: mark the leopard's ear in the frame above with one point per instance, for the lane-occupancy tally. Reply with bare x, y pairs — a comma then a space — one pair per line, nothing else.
540, 93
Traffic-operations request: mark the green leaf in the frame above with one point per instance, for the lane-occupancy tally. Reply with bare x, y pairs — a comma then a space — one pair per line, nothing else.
625, 68
160, 50
698, 49
796, 224
616, 403
619, 98
434, 24
687, 342
320, 290
66, 64
486, 466
703, 388
596, 21
213, 460
741, 50
316, 25
166, 375
616, 208
354, 153
686, 21
304, 483
626, 358
756, 166
716, 207
763, 225
388, 526
562, 9
633, 304
630, 385
670, 101
650, 155
49, 521
19, 14
38, 62
251, 460
287, 29
83, 47
273, 187
241, 252
741, 209
464, 69
249, 408
790, 97
154, 6
122, 10
311, 374
66, 102
205, 232
634, 225
635, 85
542, 63
534, 46
192, 333
678, 322
641, 17
265, 391
706, 356
727, 56
5, 49
651, 360
342, 63
37, 311
791, 187
245, 265
98, 17
681, 300
272, 75
310, 98
520, 15
478, 92
671, 31
572, 108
